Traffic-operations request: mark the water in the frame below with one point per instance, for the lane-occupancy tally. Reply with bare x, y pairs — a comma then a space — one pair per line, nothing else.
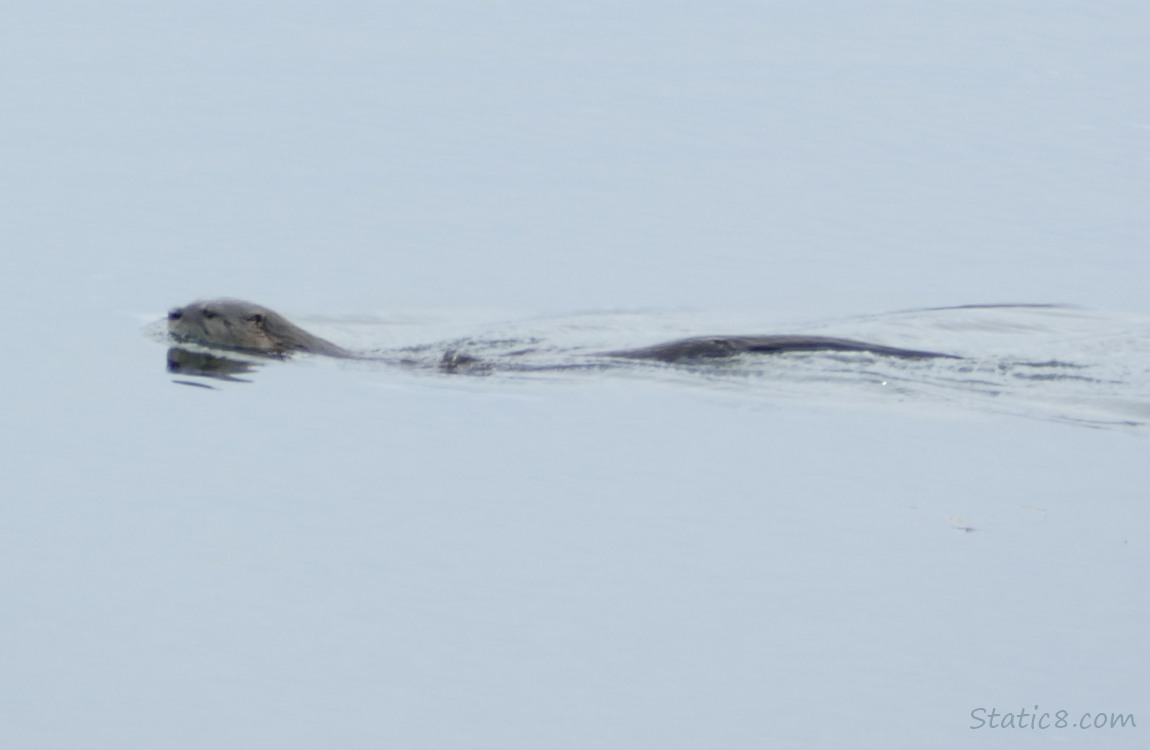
806, 551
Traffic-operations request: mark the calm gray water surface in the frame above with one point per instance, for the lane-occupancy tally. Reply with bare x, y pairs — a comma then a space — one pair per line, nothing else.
811, 553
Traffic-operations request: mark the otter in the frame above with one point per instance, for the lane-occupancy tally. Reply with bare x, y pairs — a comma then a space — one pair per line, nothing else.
246, 327
254, 329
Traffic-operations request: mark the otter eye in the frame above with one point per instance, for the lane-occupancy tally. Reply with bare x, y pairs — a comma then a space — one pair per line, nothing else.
175, 314
209, 314
257, 318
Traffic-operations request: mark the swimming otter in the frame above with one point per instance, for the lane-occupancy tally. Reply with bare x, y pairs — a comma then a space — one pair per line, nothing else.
247, 327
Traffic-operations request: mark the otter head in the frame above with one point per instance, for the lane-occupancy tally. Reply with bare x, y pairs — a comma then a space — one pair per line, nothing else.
226, 323
235, 324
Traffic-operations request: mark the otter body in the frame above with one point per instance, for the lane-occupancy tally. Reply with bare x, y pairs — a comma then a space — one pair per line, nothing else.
244, 326
709, 347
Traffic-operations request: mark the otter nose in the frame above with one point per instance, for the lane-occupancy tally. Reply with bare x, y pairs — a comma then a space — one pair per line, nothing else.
175, 314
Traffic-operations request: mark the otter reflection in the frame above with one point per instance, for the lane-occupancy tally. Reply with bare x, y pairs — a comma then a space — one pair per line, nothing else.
183, 361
